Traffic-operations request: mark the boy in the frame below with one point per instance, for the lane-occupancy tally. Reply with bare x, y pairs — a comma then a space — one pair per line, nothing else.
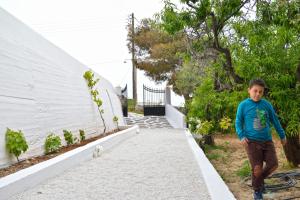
252, 124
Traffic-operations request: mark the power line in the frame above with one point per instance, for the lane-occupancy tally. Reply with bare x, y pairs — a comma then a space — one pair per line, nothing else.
74, 25
125, 76
79, 28
111, 61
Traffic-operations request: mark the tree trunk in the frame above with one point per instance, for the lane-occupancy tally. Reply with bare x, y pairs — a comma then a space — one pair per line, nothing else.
209, 140
216, 45
298, 73
292, 150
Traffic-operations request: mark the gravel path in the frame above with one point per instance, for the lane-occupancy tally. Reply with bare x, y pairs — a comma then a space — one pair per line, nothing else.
155, 164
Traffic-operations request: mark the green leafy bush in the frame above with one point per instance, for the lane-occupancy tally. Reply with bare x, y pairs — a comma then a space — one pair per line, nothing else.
82, 135
15, 142
68, 137
192, 124
210, 105
52, 143
225, 124
204, 127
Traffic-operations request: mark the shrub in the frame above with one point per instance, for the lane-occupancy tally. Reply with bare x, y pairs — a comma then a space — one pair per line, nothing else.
68, 137
204, 128
192, 124
225, 124
15, 142
82, 135
116, 121
52, 143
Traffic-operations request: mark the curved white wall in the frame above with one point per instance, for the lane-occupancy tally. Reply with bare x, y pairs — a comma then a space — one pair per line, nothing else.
42, 90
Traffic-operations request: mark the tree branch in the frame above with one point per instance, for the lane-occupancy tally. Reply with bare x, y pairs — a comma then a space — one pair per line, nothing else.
191, 6
220, 26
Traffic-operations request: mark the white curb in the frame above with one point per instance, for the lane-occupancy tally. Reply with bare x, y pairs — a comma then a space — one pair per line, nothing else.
215, 185
27, 178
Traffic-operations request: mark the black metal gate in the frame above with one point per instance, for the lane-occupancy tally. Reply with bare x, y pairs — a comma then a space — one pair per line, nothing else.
124, 101
153, 101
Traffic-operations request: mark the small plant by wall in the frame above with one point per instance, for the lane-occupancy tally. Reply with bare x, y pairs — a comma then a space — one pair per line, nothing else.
15, 142
68, 137
82, 135
116, 121
89, 77
52, 143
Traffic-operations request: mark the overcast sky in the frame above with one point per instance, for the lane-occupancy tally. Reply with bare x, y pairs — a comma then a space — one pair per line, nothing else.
92, 31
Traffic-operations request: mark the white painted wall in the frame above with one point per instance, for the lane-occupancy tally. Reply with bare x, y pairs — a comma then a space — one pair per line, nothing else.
174, 117
42, 90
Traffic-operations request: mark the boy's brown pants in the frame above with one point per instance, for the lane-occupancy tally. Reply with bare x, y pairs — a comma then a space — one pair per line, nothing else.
258, 152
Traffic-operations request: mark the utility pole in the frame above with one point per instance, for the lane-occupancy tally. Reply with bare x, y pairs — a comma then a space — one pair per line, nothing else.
134, 94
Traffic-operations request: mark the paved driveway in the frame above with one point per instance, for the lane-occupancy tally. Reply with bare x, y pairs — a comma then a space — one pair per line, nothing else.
154, 164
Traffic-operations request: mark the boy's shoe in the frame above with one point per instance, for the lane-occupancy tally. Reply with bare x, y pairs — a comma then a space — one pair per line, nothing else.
257, 195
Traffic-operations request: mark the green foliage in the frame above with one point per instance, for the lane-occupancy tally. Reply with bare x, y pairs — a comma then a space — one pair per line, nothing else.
244, 50
172, 20
15, 142
52, 143
188, 78
131, 105
214, 156
245, 170
116, 121
210, 105
204, 127
225, 124
82, 135
89, 77
275, 60
192, 123
68, 137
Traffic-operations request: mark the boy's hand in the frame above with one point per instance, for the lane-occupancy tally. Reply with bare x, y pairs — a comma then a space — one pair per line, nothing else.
244, 141
283, 141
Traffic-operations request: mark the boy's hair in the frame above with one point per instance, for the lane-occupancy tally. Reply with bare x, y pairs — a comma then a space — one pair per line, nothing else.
257, 81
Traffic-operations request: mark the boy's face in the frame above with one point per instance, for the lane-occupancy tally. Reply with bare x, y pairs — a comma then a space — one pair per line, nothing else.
256, 92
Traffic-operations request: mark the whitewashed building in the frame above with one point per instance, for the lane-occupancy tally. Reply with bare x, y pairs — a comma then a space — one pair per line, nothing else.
42, 90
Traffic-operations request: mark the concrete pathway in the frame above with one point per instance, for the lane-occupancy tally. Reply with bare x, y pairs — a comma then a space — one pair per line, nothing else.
154, 164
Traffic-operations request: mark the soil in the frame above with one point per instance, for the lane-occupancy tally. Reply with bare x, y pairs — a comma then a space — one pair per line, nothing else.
228, 157
35, 160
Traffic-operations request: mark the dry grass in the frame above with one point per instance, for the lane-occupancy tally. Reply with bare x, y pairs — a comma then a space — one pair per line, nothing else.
229, 157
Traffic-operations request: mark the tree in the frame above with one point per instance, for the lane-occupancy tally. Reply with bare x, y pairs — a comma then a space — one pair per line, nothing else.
168, 57
157, 52
205, 23
271, 42
187, 79
263, 42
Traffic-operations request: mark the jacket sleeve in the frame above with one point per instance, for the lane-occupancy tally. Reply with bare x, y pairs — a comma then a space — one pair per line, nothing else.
239, 122
275, 121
